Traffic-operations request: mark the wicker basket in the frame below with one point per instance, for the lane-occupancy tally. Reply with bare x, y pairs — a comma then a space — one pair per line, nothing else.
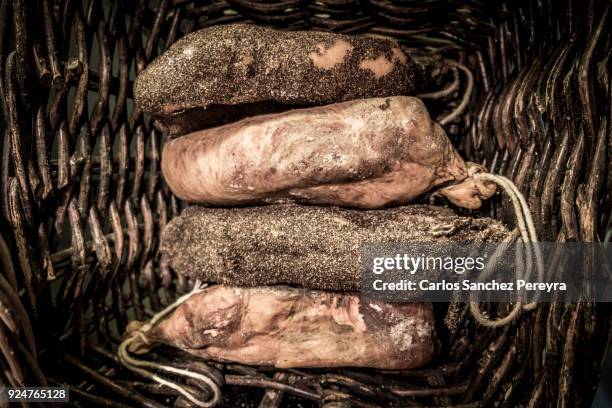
83, 202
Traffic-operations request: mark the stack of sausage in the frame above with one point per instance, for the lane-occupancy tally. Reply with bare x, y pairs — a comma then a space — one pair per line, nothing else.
283, 119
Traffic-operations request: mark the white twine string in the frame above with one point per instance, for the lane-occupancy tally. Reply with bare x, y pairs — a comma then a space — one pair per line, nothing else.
526, 233
142, 366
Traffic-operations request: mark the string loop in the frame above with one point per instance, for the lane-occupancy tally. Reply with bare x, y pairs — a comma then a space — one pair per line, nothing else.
526, 234
144, 368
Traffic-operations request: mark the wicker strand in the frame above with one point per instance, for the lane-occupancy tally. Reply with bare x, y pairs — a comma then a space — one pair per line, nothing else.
467, 95
527, 235
136, 365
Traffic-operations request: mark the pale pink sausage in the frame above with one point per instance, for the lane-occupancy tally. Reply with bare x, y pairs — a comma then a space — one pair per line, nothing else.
366, 153
287, 327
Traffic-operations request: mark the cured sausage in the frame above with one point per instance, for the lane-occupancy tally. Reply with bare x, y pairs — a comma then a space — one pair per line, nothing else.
309, 246
367, 153
222, 73
286, 327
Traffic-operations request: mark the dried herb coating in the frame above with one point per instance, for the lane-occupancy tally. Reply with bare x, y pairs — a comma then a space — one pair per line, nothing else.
309, 246
222, 73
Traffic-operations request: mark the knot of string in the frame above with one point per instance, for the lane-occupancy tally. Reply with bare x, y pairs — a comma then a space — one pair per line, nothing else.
147, 368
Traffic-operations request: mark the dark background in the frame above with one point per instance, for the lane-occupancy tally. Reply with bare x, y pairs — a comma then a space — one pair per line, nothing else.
603, 398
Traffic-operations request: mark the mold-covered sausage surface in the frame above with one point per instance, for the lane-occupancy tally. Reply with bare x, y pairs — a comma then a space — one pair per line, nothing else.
287, 327
367, 153
310, 246
222, 73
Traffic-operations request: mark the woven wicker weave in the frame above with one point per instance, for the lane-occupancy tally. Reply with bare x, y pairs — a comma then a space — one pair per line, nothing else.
83, 201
